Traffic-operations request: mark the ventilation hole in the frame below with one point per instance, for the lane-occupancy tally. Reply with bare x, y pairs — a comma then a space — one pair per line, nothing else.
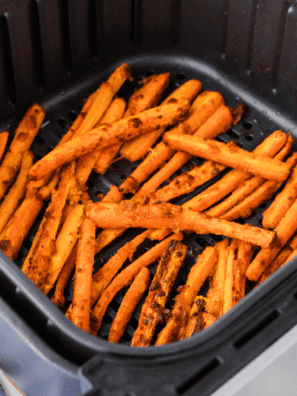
107, 319
247, 125
240, 221
66, 35
239, 144
263, 205
38, 157
189, 383
39, 139
201, 242
150, 73
232, 134
249, 138
63, 123
256, 330
66, 293
220, 139
105, 337
124, 177
126, 337
7, 60
49, 149
218, 238
181, 76
72, 115
114, 305
37, 45
27, 243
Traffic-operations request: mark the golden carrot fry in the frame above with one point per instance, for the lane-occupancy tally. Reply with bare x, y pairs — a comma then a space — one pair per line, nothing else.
285, 229
119, 76
269, 147
153, 309
129, 214
184, 301
218, 122
124, 279
128, 305
64, 245
3, 143
17, 191
230, 155
276, 263
80, 315
24, 135
138, 147
17, 228
46, 191
231, 274
290, 257
110, 134
208, 103
187, 182
215, 295
194, 313
58, 296
86, 163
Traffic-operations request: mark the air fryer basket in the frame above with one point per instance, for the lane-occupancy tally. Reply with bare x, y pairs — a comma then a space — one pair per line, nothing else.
55, 53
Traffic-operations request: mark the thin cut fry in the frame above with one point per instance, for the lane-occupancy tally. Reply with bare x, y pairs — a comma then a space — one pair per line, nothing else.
124, 279
64, 244
152, 311
15, 195
184, 301
194, 313
110, 134
129, 214
24, 135
232, 273
217, 123
80, 315
208, 103
3, 143
128, 305
230, 155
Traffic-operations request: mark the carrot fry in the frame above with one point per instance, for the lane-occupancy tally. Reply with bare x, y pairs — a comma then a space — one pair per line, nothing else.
187, 182
160, 288
3, 143
129, 214
64, 245
177, 323
194, 315
291, 256
229, 182
86, 163
125, 278
138, 147
230, 155
215, 294
218, 122
208, 102
128, 305
17, 191
80, 315
285, 230
232, 273
24, 135
46, 191
58, 296
110, 134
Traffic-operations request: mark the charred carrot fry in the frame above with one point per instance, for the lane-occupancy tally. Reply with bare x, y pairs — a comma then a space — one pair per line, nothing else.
64, 244
80, 315
153, 309
24, 135
138, 147
208, 102
58, 296
124, 279
107, 135
184, 301
196, 311
17, 191
129, 214
230, 155
218, 122
3, 143
128, 305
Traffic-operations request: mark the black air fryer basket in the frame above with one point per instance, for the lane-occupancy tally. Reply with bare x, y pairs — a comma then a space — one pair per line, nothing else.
56, 53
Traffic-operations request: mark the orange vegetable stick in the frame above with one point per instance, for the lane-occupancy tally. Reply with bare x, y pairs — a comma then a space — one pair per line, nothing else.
125, 278
205, 319
128, 305
184, 301
138, 147
285, 229
208, 102
3, 143
86, 163
17, 191
160, 288
64, 245
110, 134
291, 256
129, 214
215, 294
58, 296
230, 155
80, 315
217, 123
232, 272
24, 135
187, 182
